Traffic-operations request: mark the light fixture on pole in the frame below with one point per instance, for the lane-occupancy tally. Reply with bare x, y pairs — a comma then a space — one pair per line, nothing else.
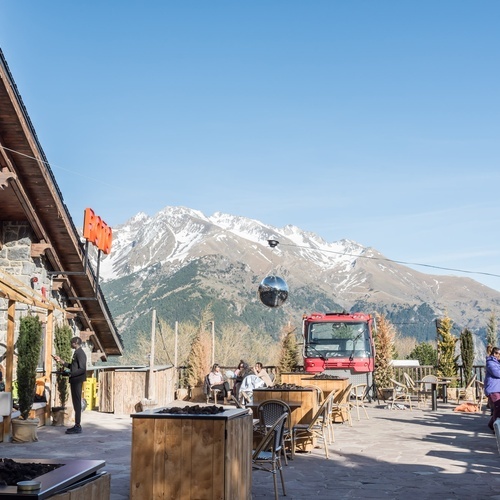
273, 290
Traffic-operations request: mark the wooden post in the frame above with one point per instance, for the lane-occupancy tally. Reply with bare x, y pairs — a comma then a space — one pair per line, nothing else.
213, 342
176, 341
9, 354
151, 389
49, 335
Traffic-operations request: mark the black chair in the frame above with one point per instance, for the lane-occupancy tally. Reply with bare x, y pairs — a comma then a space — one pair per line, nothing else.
268, 412
267, 455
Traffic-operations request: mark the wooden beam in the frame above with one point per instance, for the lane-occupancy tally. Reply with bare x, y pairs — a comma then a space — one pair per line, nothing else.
38, 249
5, 175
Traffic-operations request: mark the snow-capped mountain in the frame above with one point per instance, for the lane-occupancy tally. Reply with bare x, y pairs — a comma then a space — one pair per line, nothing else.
222, 258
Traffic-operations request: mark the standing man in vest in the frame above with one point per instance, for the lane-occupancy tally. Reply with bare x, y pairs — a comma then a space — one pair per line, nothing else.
77, 376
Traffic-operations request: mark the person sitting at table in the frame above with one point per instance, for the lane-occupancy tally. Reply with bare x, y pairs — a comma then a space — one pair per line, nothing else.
239, 374
249, 383
492, 384
261, 372
216, 381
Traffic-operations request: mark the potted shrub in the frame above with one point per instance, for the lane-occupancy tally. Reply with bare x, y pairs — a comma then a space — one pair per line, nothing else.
62, 345
29, 346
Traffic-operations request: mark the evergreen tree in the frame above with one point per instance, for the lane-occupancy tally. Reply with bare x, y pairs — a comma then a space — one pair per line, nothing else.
384, 352
467, 354
62, 345
491, 332
29, 347
447, 361
425, 353
289, 351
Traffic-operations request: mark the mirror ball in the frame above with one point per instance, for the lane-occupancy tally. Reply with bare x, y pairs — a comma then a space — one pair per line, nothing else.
273, 291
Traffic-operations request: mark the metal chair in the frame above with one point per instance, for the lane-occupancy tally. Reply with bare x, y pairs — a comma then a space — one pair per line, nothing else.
413, 387
400, 392
267, 455
341, 406
358, 393
481, 397
268, 412
463, 392
319, 392
319, 426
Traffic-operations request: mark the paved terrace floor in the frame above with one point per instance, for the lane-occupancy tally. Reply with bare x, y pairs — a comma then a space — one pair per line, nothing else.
397, 454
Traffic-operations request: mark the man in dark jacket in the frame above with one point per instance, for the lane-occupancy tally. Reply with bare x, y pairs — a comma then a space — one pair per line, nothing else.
77, 376
492, 384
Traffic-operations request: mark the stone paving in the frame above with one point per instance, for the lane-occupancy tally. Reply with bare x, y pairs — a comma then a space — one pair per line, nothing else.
395, 454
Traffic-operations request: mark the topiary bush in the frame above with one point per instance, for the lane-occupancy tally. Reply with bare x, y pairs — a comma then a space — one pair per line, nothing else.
62, 345
29, 347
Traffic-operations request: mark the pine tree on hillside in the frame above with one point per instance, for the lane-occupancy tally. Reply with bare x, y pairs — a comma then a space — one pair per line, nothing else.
447, 361
384, 352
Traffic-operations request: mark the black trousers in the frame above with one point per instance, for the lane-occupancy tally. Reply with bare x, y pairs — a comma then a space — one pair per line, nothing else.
76, 397
224, 388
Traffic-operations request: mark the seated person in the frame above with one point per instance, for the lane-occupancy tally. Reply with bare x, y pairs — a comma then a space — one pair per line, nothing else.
261, 372
239, 374
249, 383
216, 381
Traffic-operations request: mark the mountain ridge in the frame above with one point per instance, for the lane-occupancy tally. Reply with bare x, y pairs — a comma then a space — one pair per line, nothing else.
227, 256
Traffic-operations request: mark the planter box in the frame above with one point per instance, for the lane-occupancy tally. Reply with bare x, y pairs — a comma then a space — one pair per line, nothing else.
191, 456
96, 489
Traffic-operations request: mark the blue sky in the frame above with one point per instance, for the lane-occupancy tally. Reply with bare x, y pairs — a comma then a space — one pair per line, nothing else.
376, 120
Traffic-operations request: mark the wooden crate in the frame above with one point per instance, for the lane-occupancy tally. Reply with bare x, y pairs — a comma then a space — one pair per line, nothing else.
191, 456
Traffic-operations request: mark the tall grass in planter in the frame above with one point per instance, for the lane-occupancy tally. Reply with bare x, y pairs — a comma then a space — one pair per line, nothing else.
29, 347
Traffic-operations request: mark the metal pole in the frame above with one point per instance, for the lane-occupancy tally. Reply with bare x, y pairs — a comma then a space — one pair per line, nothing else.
152, 357
213, 342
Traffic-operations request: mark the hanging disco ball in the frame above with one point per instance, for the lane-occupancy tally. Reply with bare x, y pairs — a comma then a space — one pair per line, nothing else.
273, 291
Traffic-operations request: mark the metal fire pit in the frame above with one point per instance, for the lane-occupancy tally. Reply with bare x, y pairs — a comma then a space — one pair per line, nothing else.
70, 474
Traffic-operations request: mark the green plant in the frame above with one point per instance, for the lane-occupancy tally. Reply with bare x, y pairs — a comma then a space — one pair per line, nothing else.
491, 333
447, 361
29, 346
62, 345
384, 351
425, 353
467, 354
289, 351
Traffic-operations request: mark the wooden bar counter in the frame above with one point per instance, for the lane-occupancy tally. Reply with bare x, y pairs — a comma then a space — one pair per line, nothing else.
191, 456
303, 405
327, 385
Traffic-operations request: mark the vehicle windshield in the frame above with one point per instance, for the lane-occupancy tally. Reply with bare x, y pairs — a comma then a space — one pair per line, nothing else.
339, 339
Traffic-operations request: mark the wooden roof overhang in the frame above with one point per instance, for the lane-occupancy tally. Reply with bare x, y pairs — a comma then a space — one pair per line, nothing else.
29, 192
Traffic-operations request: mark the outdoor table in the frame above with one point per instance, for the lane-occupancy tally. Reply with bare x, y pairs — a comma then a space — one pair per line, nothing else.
434, 386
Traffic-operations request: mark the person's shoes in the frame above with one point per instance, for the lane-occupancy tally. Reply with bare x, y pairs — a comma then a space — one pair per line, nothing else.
77, 429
